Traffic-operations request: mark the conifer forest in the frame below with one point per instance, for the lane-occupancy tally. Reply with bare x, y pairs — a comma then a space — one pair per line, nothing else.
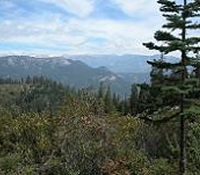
49, 127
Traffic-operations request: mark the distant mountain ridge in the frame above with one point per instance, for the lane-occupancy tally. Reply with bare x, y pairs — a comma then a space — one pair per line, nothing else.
68, 71
81, 71
120, 63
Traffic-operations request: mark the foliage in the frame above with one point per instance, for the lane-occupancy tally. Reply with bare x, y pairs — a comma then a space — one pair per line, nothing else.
80, 137
176, 81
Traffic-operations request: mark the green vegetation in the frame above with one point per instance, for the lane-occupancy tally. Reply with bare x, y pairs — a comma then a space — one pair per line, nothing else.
50, 129
178, 81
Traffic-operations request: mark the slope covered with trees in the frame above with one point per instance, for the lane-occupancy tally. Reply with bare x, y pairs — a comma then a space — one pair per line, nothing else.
49, 128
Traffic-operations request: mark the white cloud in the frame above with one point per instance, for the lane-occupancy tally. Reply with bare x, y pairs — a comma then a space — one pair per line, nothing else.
81, 8
120, 36
77, 36
54, 35
135, 8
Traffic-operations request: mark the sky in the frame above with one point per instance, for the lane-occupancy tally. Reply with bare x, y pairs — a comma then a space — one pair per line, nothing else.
62, 27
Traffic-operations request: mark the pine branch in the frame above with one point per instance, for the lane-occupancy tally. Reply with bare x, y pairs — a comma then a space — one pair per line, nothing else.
194, 49
165, 36
152, 46
172, 46
193, 81
192, 40
171, 80
169, 6
193, 26
164, 65
193, 6
194, 15
181, 89
193, 111
175, 22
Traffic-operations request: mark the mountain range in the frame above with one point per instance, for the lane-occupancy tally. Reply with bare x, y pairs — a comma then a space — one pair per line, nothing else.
67, 71
81, 71
120, 63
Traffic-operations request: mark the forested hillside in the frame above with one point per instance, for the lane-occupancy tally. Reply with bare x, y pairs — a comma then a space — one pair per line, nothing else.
48, 128
52, 124
67, 71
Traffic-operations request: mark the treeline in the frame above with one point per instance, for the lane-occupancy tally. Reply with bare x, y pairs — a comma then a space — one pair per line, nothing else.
39, 93
42, 80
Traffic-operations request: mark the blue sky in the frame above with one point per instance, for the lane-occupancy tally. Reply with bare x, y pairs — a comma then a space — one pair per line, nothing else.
61, 27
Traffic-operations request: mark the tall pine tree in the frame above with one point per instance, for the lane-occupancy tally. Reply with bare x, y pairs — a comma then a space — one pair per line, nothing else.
181, 19
109, 107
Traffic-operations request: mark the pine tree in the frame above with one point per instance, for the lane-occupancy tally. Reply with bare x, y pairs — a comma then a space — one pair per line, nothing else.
109, 107
133, 101
125, 106
116, 101
101, 91
180, 18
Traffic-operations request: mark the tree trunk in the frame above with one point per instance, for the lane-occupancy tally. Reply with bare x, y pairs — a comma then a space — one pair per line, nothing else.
182, 164
182, 147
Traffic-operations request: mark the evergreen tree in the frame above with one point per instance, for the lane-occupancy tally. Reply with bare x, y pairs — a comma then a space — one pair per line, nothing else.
181, 18
124, 106
116, 101
28, 80
101, 91
109, 107
133, 101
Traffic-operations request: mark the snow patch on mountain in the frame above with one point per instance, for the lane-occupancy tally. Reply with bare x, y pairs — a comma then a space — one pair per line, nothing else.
65, 62
108, 78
